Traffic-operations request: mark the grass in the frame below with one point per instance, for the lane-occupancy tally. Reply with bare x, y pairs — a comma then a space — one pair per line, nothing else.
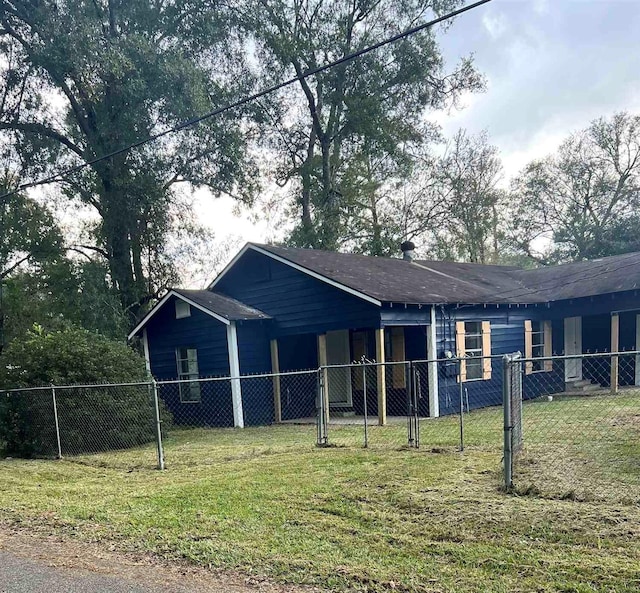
266, 501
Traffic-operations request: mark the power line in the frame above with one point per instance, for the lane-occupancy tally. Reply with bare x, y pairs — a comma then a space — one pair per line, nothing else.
192, 122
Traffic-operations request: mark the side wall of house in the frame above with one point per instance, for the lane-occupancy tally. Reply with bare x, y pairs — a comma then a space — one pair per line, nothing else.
208, 336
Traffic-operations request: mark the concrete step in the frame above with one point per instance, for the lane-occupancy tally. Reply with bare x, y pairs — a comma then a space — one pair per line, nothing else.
591, 387
581, 386
579, 383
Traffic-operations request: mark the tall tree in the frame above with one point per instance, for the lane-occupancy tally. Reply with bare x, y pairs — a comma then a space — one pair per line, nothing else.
467, 184
83, 79
584, 201
341, 135
29, 239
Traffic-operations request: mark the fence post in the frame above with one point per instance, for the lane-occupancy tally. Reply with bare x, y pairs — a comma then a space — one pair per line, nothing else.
321, 414
615, 347
461, 403
365, 410
417, 397
55, 419
506, 407
156, 405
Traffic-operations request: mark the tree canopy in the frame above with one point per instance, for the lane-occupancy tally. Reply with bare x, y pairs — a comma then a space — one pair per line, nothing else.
585, 198
83, 79
342, 137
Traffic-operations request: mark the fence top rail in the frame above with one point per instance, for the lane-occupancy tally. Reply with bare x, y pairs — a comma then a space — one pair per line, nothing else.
237, 377
603, 355
78, 386
355, 364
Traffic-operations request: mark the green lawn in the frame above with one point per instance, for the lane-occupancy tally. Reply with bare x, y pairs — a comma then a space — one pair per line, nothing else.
266, 501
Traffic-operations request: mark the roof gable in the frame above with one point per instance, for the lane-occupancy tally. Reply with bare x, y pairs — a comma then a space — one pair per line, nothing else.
269, 251
220, 307
399, 281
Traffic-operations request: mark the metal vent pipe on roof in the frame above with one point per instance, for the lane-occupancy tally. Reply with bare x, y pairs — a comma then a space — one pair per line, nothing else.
408, 250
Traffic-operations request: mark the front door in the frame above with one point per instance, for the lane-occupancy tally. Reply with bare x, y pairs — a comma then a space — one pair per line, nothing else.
339, 378
573, 345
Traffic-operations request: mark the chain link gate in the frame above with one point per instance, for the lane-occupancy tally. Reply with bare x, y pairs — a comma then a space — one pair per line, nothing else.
368, 404
512, 409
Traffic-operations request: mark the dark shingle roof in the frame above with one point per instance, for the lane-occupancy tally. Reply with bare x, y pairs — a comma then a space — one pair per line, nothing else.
428, 282
399, 281
618, 273
222, 305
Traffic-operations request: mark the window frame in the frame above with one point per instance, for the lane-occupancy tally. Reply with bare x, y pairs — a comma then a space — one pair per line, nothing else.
471, 354
484, 351
186, 309
186, 378
542, 329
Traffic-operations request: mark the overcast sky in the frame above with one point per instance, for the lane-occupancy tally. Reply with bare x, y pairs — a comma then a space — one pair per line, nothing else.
551, 67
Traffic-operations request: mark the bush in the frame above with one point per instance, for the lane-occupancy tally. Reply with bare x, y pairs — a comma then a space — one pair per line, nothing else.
91, 419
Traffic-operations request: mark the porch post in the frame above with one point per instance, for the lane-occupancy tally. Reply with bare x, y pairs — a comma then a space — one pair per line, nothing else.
322, 361
382, 383
234, 371
615, 345
145, 347
275, 369
432, 354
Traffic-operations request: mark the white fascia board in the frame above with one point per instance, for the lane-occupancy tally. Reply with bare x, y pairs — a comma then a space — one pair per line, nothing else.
164, 299
295, 266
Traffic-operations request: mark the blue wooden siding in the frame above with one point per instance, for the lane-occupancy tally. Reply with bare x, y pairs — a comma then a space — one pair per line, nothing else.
507, 336
597, 305
299, 303
208, 336
255, 357
165, 333
298, 392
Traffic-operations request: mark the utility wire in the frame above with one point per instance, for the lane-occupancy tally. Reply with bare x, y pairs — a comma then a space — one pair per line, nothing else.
192, 122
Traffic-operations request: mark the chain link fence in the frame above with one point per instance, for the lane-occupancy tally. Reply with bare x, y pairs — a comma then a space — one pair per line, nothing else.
368, 404
568, 426
83, 420
572, 426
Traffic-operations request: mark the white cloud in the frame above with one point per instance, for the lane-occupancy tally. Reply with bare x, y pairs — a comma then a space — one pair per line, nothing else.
495, 24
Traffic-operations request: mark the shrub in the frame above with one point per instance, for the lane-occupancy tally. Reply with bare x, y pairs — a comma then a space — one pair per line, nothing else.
91, 419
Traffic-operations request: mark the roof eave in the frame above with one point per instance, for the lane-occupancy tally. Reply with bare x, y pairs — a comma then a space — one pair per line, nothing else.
161, 304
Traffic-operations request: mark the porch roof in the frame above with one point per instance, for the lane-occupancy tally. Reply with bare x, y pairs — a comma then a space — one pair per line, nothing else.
221, 305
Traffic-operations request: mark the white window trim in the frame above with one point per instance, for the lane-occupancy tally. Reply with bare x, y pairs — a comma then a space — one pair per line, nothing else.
187, 378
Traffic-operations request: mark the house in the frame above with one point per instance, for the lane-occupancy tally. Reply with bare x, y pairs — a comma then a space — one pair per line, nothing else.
279, 309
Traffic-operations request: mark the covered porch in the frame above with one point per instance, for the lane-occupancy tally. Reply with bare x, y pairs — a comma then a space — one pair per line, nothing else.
363, 370
611, 332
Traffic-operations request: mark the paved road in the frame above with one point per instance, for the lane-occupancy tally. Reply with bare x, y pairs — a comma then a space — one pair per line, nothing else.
19, 575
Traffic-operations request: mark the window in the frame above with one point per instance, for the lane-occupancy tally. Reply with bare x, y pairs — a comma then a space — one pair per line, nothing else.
473, 345
182, 309
537, 344
187, 359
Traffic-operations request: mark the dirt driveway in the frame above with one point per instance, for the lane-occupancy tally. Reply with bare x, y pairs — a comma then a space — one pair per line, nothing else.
48, 564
